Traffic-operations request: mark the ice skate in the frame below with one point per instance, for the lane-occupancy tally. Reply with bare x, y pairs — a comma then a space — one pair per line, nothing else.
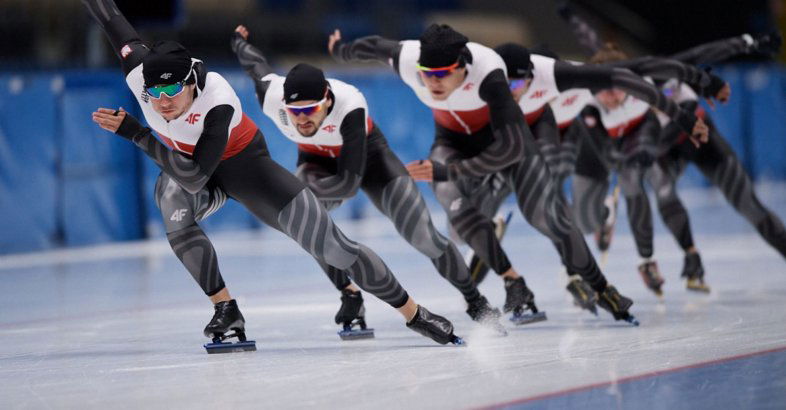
651, 275
583, 295
435, 327
693, 271
617, 305
604, 234
518, 300
227, 317
477, 268
351, 315
481, 311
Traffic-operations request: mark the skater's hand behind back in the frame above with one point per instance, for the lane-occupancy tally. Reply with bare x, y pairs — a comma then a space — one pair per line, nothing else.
421, 170
242, 31
700, 134
333, 39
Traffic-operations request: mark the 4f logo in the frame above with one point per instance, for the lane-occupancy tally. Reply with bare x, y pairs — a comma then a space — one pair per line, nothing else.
469, 86
192, 118
178, 215
570, 100
329, 128
537, 94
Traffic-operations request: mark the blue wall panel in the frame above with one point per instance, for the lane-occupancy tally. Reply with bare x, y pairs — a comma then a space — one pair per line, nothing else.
28, 162
101, 190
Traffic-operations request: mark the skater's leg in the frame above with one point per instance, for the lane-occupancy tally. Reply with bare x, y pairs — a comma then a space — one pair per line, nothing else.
638, 206
717, 161
671, 209
590, 183
287, 205
476, 229
400, 200
310, 171
181, 211
545, 210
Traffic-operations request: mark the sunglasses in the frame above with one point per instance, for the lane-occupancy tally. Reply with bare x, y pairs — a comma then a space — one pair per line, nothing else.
307, 110
516, 84
439, 72
170, 90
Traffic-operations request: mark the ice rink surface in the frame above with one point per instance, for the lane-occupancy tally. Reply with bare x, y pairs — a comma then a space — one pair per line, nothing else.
120, 326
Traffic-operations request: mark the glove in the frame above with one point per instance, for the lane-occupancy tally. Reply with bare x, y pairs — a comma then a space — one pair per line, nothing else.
716, 83
767, 43
129, 128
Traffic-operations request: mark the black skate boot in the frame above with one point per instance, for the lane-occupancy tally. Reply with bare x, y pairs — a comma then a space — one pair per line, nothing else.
583, 295
481, 311
617, 305
352, 314
651, 275
693, 271
477, 268
227, 317
435, 327
518, 299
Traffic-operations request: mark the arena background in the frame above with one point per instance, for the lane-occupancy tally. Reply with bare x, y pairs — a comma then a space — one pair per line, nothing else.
65, 182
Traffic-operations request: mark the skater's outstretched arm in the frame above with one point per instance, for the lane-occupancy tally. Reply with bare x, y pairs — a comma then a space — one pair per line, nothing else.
720, 50
351, 162
192, 173
125, 40
510, 133
364, 49
585, 34
252, 60
599, 77
706, 84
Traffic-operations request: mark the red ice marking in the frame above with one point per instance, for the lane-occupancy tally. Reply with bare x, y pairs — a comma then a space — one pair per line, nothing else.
622, 380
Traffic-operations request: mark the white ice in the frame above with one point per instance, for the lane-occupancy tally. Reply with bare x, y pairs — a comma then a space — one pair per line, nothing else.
120, 326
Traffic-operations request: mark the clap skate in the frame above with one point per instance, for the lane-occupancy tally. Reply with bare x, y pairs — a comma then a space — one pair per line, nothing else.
477, 268
481, 311
583, 295
227, 317
693, 271
351, 315
435, 327
617, 305
651, 275
518, 300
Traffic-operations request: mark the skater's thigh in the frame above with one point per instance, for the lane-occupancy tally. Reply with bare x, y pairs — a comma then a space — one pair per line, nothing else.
262, 185
382, 168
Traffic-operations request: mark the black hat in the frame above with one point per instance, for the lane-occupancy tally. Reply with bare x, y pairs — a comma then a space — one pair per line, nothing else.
516, 59
167, 62
304, 82
441, 46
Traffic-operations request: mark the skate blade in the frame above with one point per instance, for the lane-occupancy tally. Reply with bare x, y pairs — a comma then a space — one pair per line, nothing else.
631, 319
458, 341
519, 320
356, 334
225, 347
697, 287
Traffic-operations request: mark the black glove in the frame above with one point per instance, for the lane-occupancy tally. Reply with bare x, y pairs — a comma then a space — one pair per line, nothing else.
715, 85
129, 128
768, 43
439, 171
